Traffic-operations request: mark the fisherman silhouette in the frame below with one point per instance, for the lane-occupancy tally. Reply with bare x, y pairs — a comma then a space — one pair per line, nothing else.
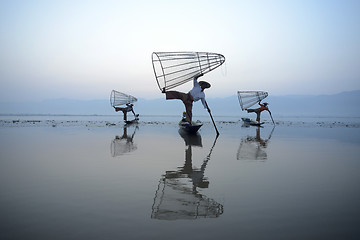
194, 95
125, 110
258, 111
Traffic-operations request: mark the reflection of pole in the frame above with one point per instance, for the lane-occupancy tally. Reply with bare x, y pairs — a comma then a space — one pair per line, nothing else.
217, 132
212, 147
136, 128
208, 156
271, 132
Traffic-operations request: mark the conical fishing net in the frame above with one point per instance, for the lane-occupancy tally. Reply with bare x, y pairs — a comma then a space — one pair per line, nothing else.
118, 98
175, 68
249, 98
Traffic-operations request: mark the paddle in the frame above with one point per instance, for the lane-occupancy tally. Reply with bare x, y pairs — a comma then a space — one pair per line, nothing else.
272, 118
217, 132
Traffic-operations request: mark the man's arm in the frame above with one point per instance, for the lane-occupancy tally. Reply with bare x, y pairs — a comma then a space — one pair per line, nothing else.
206, 106
196, 77
204, 103
199, 75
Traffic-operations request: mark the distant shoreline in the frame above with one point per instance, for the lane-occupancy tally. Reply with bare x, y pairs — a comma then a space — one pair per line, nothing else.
338, 105
95, 121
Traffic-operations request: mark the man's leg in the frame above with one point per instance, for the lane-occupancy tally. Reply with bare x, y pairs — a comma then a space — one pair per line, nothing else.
176, 95
188, 109
258, 116
118, 109
185, 98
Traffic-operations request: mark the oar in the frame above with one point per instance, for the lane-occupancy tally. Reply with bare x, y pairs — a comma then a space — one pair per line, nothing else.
272, 118
217, 132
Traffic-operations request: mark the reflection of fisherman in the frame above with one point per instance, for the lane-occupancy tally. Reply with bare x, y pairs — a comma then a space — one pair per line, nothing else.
125, 110
195, 94
253, 147
129, 139
175, 199
123, 144
261, 141
258, 111
196, 175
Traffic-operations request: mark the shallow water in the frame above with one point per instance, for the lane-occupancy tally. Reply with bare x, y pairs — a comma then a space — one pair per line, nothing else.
77, 178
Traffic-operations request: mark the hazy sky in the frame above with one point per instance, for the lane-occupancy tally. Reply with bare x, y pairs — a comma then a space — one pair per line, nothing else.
84, 49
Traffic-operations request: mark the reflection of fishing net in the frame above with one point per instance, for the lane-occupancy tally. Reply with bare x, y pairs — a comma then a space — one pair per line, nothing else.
250, 149
249, 98
118, 98
175, 199
121, 146
175, 68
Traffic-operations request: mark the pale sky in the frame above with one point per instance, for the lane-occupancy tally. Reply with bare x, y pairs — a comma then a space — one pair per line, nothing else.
84, 49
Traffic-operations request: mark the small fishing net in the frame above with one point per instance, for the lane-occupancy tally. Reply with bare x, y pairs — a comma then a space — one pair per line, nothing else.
251, 149
249, 98
173, 69
118, 98
121, 146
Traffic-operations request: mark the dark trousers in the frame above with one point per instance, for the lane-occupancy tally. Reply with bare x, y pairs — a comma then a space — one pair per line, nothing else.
186, 98
257, 111
125, 110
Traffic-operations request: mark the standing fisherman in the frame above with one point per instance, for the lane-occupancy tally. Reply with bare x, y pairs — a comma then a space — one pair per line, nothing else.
125, 110
194, 95
258, 111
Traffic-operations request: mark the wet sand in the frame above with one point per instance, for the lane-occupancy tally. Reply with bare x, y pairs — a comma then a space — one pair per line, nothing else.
69, 177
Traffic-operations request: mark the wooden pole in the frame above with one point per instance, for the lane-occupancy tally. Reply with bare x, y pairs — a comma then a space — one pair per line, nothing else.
217, 132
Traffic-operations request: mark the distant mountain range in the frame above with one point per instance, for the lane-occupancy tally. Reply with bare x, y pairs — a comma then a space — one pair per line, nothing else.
342, 104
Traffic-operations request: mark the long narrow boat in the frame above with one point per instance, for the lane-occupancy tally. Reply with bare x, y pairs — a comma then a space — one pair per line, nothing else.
190, 129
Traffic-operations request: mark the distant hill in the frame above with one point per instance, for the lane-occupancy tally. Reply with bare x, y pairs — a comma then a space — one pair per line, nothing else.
342, 104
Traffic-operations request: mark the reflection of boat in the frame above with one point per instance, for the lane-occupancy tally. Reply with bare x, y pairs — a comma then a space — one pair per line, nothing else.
177, 196
253, 148
191, 139
124, 144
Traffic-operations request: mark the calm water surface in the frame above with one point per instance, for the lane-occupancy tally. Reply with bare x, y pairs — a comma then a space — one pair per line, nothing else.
149, 181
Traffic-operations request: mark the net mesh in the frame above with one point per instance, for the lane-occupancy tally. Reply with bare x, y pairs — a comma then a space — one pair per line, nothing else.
251, 149
249, 98
118, 98
175, 199
175, 68
121, 146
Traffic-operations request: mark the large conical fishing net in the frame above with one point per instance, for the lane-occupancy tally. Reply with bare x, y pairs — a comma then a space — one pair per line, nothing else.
175, 199
249, 98
118, 98
175, 68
